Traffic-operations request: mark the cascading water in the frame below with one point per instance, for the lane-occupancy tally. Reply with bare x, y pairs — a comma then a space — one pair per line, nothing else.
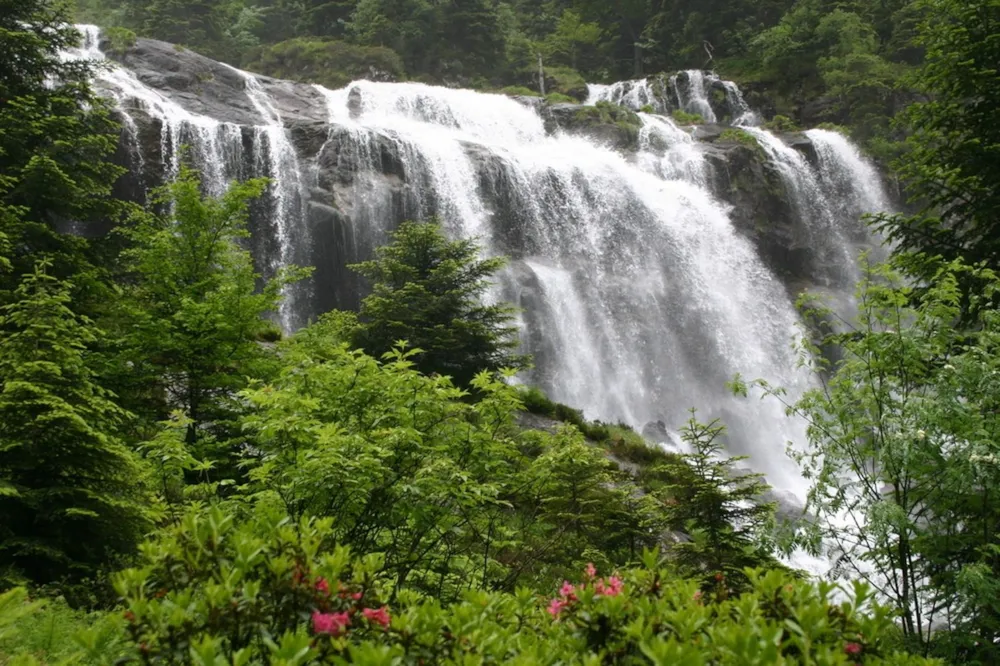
640, 299
216, 147
275, 157
835, 252
847, 176
637, 290
695, 98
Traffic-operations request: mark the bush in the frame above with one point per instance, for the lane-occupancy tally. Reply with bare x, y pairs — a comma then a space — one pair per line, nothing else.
330, 63
273, 590
781, 124
519, 91
566, 81
647, 108
742, 137
120, 40
559, 98
684, 118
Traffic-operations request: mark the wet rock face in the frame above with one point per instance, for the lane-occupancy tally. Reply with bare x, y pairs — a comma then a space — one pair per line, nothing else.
355, 193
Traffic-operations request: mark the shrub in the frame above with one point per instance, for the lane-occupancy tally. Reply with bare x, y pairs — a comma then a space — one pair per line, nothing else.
120, 40
566, 81
740, 136
519, 91
275, 591
330, 63
647, 108
559, 98
781, 124
684, 118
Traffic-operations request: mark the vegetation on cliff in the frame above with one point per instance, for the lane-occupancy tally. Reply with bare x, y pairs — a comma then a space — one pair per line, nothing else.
214, 498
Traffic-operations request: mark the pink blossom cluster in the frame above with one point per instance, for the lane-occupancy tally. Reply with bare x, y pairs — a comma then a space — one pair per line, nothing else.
610, 587
336, 623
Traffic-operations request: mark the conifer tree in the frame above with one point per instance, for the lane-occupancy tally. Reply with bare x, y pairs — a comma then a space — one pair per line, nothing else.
56, 138
428, 291
69, 493
720, 505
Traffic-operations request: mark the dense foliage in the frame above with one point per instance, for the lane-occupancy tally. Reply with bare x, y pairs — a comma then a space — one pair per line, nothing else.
337, 496
429, 291
816, 60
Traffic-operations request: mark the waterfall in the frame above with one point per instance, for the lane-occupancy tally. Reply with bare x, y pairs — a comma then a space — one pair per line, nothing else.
695, 98
635, 95
639, 296
275, 157
216, 147
829, 233
669, 152
848, 177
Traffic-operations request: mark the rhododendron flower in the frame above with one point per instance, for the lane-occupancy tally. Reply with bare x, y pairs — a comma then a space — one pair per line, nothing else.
555, 607
567, 590
719, 577
610, 588
591, 571
380, 616
852, 649
697, 596
356, 596
330, 623
322, 586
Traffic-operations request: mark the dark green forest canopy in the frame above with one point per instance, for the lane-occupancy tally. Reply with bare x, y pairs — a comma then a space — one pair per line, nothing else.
821, 60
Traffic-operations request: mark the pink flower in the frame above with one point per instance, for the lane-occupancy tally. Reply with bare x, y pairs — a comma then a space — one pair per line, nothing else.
852, 649
591, 571
697, 596
356, 596
380, 616
330, 623
610, 588
568, 591
322, 586
555, 607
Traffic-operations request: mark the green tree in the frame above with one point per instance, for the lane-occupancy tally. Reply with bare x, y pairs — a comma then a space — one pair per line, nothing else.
572, 36
195, 308
70, 491
429, 291
905, 459
951, 170
720, 506
56, 138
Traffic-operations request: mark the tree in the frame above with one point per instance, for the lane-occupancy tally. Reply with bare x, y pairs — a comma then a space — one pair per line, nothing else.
951, 170
572, 36
429, 291
56, 138
720, 506
905, 459
70, 491
195, 314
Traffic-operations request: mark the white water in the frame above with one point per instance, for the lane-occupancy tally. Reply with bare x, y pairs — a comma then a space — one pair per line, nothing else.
848, 177
274, 155
632, 94
637, 289
215, 148
640, 298
696, 98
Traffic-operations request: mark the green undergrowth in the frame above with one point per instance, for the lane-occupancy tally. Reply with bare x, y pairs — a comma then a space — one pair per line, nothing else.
48, 631
559, 98
684, 118
740, 136
620, 440
519, 91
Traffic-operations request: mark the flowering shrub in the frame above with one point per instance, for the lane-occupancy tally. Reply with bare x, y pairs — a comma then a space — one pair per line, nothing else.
271, 591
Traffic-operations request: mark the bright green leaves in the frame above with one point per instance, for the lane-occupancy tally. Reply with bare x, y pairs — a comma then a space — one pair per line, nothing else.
217, 590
